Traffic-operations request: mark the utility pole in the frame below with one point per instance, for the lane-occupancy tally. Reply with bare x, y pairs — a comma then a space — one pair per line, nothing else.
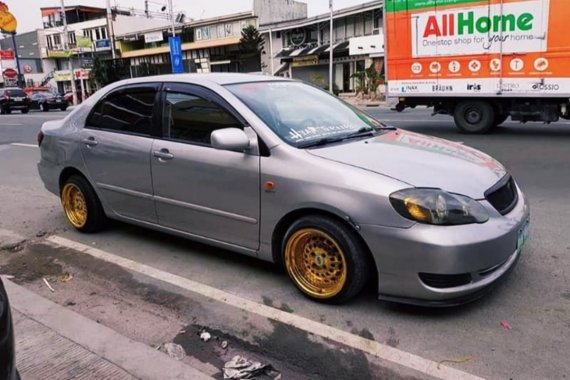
171, 16
146, 8
331, 49
111, 30
66, 48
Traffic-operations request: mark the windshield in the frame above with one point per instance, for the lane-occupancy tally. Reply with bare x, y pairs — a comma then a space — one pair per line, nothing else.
44, 93
16, 93
302, 114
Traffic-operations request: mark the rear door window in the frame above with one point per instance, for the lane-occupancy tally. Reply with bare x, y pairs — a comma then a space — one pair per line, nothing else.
127, 110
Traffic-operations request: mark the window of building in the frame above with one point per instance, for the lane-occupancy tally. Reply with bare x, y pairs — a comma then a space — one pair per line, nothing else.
104, 33
190, 118
97, 34
57, 41
125, 111
71, 38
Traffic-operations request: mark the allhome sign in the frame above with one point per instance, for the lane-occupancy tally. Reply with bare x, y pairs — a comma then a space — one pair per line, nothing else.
520, 27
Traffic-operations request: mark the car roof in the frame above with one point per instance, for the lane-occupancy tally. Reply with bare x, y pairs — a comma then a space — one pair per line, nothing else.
217, 78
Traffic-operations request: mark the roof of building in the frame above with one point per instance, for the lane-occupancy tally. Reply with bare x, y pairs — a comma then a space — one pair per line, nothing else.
46, 11
323, 17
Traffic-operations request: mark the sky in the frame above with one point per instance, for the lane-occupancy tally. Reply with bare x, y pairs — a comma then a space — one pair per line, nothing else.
27, 12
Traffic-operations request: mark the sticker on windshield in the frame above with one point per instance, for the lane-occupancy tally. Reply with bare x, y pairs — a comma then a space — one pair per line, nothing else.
319, 132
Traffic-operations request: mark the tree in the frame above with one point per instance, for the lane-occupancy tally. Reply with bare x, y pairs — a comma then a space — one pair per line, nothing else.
250, 49
108, 71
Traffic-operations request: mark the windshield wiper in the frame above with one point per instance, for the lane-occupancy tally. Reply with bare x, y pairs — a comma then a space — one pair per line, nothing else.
318, 142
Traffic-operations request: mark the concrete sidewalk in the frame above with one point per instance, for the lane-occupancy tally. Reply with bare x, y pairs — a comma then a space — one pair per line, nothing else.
53, 342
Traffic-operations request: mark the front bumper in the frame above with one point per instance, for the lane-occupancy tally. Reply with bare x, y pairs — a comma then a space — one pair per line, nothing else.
485, 253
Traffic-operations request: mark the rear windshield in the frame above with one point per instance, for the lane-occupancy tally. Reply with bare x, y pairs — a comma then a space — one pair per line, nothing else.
16, 93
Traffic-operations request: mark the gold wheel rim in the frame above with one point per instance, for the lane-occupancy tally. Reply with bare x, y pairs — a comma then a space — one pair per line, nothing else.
316, 263
74, 205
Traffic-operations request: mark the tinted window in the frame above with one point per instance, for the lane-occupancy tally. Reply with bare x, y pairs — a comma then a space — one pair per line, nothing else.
18, 93
126, 110
192, 118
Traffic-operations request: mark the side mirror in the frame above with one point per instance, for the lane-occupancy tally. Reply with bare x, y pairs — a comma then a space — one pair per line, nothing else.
233, 139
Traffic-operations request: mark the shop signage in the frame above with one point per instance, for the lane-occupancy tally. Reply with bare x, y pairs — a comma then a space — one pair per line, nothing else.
82, 74
62, 76
10, 73
153, 37
84, 42
59, 53
176, 55
103, 44
309, 60
8, 23
298, 36
7, 54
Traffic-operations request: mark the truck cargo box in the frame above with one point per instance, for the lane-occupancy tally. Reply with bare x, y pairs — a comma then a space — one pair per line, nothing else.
474, 48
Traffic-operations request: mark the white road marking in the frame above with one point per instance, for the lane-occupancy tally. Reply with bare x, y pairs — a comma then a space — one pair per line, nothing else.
10, 124
25, 145
382, 351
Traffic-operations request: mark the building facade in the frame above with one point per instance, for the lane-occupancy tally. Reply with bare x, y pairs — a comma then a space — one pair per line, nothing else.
29, 54
300, 48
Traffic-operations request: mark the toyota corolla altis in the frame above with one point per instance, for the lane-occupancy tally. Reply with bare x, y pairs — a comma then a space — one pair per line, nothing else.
286, 172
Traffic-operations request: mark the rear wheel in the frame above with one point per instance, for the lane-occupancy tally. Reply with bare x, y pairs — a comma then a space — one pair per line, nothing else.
81, 205
25, 110
324, 259
44, 107
63, 108
474, 117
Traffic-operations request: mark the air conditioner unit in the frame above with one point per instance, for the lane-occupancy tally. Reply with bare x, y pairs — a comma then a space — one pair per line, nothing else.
376, 31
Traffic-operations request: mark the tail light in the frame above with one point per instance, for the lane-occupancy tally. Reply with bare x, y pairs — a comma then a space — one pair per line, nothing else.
40, 138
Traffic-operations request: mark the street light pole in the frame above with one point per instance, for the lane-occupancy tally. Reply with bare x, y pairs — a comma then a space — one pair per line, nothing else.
111, 29
66, 48
331, 85
20, 75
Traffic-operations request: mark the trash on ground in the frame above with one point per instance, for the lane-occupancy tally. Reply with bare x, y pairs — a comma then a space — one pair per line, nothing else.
41, 234
66, 277
205, 336
224, 344
242, 368
506, 325
456, 361
48, 285
70, 303
173, 350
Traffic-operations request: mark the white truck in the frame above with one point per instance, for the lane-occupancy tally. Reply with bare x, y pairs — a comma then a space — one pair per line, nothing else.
480, 60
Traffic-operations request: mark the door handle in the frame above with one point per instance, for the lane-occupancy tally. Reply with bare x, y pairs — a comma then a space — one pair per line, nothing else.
90, 141
163, 154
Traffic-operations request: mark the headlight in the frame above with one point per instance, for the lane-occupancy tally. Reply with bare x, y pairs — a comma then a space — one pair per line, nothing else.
434, 206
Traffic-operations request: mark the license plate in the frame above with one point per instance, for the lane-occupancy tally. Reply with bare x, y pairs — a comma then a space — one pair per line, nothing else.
18, 99
523, 234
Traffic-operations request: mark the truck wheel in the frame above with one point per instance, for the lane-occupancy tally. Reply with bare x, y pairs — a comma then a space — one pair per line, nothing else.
474, 117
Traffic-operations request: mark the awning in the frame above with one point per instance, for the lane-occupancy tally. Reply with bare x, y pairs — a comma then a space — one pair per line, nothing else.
339, 47
283, 68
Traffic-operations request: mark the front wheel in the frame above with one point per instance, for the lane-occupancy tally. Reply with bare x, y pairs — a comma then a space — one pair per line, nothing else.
63, 108
44, 107
474, 117
25, 110
81, 205
324, 259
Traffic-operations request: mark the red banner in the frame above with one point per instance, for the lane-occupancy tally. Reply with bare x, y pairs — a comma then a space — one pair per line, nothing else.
7, 54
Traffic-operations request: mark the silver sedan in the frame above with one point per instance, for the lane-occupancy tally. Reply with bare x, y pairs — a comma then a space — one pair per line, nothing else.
285, 172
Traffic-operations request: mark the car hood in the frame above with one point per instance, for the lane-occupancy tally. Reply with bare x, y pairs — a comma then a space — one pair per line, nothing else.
420, 161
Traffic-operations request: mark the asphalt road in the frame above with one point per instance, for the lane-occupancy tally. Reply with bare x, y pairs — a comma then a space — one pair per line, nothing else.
535, 300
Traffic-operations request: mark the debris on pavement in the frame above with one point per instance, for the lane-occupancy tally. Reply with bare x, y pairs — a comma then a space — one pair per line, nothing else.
224, 344
242, 368
506, 325
48, 285
456, 361
173, 350
66, 277
70, 303
41, 234
205, 336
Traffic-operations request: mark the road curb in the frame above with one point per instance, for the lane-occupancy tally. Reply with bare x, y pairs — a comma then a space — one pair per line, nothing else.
137, 359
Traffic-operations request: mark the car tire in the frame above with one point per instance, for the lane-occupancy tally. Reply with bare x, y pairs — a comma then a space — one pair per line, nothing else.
25, 110
44, 107
63, 108
81, 205
7, 111
474, 117
325, 259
